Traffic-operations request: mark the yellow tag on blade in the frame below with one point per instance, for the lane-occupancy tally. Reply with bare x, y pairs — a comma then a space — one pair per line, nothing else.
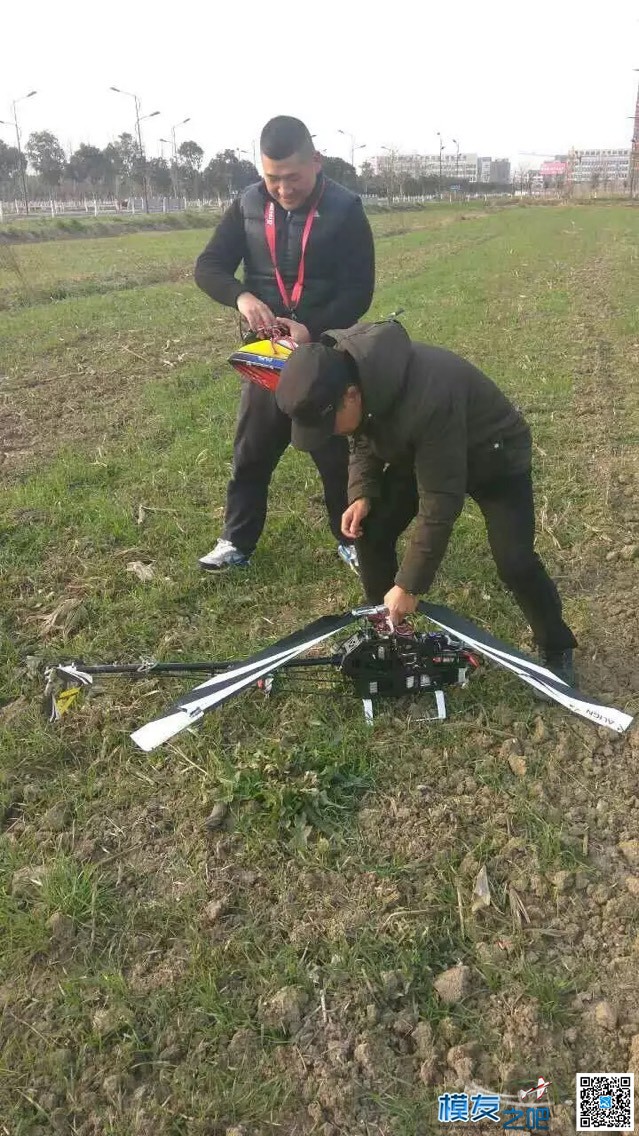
66, 698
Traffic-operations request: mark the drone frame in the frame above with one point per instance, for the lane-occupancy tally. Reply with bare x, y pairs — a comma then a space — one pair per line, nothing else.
229, 679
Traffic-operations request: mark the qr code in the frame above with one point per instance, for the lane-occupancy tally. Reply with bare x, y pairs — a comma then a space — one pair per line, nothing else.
605, 1102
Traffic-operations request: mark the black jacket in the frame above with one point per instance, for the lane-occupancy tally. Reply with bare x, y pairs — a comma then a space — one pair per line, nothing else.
339, 263
431, 411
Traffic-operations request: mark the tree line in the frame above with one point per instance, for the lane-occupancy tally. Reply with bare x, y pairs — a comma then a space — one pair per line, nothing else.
119, 171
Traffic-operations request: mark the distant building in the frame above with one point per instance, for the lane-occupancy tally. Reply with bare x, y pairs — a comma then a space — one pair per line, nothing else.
453, 165
405, 165
592, 167
500, 171
602, 166
553, 172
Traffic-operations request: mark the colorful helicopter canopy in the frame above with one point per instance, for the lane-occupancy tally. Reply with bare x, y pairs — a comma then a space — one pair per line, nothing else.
262, 362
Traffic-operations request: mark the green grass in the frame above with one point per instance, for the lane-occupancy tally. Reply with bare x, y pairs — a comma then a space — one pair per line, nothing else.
26, 229
346, 865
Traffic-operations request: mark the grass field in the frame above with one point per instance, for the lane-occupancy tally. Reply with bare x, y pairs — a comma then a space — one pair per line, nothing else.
268, 966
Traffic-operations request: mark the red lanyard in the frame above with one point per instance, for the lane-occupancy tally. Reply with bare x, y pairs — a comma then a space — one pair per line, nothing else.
290, 302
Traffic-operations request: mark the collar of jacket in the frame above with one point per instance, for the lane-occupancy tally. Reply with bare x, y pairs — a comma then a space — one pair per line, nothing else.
306, 205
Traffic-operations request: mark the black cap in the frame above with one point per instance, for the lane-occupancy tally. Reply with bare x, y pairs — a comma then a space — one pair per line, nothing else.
312, 383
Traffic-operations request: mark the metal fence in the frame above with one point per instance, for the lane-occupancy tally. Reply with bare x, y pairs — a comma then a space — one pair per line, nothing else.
95, 207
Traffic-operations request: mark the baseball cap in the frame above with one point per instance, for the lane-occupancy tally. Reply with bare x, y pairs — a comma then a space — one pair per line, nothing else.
312, 384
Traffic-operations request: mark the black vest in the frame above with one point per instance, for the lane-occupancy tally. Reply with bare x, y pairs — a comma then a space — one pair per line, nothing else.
321, 275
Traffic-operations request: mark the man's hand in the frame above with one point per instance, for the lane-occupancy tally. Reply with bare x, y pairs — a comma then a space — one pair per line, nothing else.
353, 517
297, 331
257, 314
399, 604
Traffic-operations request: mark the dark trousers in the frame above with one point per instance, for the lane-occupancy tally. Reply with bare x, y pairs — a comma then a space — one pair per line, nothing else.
508, 508
263, 433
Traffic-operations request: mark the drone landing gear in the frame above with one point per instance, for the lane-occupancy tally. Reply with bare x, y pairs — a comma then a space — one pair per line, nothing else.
440, 705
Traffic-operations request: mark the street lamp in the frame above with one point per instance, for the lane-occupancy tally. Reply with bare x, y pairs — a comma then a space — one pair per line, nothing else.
457, 159
392, 171
23, 176
441, 150
138, 120
174, 154
354, 146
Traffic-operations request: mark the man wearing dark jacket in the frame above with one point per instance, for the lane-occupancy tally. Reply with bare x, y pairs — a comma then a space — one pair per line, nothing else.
308, 256
427, 428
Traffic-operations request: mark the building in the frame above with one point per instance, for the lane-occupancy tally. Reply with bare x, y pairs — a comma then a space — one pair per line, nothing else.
602, 167
454, 167
553, 172
495, 171
500, 171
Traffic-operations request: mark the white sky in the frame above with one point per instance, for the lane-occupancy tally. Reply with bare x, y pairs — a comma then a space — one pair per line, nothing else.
501, 76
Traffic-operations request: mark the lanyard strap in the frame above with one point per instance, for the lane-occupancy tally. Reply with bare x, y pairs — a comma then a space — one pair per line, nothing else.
290, 302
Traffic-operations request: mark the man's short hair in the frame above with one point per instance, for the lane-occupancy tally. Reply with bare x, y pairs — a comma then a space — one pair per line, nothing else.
283, 136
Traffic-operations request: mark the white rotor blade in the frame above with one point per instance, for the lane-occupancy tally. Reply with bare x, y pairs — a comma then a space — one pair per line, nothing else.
191, 707
526, 669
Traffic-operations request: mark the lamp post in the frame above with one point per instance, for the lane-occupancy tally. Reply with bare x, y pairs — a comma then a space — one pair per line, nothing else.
456, 159
15, 124
441, 150
354, 145
138, 119
174, 155
392, 171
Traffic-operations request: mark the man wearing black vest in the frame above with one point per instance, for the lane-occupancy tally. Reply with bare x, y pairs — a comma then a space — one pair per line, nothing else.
309, 265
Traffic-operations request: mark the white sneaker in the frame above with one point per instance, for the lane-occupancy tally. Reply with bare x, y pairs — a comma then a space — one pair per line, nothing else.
225, 555
348, 553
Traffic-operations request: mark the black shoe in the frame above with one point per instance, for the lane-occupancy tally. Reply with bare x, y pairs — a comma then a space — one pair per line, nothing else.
561, 664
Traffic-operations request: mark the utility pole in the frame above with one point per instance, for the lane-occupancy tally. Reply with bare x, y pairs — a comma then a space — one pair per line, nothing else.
22, 164
633, 171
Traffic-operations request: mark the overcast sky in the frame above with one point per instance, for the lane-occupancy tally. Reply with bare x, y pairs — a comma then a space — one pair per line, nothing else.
500, 76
